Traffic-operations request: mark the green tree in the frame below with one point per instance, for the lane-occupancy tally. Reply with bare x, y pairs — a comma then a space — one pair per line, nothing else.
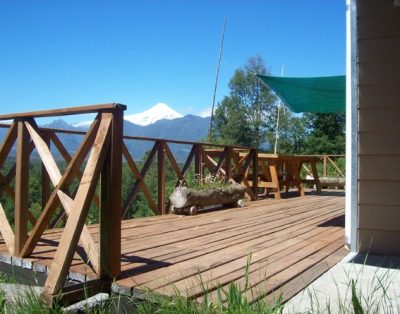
231, 128
243, 116
327, 133
292, 133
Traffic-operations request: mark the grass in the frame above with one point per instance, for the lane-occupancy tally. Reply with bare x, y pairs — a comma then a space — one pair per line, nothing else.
231, 300
208, 182
350, 297
362, 291
23, 303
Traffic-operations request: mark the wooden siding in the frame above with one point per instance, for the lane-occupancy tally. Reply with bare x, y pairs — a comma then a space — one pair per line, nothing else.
378, 43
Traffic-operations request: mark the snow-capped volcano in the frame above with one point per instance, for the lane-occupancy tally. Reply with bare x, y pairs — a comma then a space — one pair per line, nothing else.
82, 124
157, 112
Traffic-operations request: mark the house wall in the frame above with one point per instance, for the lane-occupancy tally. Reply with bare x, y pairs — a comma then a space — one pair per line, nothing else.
378, 46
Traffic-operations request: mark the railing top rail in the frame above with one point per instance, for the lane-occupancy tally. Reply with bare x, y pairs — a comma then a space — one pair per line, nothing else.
5, 126
63, 111
321, 155
150, 139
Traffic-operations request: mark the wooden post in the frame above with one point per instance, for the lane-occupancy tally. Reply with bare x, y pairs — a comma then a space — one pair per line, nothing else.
228, 164
110, 203
161, 178
324, 166
273, 165
255, 172
21, 188
197, 163
315, 175
45, 176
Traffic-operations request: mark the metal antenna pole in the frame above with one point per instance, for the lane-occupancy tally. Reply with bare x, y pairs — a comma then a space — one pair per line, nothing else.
277, 118
216, 82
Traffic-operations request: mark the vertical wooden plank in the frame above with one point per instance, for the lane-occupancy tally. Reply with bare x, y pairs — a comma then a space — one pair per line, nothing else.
228, 163
161, 178
197, 162
288, 172
315, 176
324, 157
21, 188
274, 178
294, 175
255, 172
110, 204
45, 176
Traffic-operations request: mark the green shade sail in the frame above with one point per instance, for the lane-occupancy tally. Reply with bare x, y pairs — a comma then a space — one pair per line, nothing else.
311, 94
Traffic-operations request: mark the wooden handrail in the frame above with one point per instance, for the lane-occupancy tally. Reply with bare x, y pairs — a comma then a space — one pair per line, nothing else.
320, 155
63, 111
141, 138
153, 139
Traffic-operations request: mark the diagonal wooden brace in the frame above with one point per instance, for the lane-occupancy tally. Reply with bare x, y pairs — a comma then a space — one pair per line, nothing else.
53, 201
90, 247
60, 265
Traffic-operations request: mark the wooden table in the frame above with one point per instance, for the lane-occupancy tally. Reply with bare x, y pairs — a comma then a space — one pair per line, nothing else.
278, 171
284, 171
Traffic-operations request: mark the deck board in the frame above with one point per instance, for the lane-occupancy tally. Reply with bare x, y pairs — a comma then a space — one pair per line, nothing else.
287, 243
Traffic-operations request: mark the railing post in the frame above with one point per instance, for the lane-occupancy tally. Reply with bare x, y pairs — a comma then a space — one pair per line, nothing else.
110, 203
161, 178
255, 173
228, 160
324, 166
198, 171
21, 188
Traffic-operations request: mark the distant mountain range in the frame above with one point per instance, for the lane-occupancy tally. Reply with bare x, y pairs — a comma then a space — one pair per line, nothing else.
160, 121
159, 111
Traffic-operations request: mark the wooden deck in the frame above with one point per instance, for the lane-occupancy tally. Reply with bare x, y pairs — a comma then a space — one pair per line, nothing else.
289, 243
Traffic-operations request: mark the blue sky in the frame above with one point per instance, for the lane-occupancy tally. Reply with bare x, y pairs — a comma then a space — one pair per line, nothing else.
68, 53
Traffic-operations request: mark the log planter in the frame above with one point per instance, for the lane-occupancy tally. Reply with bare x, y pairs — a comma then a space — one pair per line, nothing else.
328, 182
186, 200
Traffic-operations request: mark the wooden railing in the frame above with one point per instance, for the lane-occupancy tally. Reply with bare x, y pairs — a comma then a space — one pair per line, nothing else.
93, 174
101, 154
329, 166
199, 162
